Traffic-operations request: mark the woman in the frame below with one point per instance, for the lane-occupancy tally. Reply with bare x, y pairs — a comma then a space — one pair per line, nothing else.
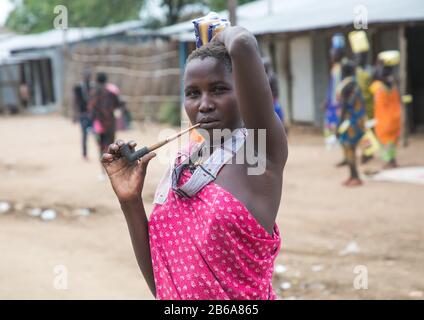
213, 236
387, 107
352, 120
102, 106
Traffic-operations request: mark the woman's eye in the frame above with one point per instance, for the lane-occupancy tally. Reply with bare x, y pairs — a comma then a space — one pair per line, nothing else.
219, 90
191, 93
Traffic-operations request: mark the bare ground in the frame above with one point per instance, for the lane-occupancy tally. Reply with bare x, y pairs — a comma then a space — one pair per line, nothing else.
41, 167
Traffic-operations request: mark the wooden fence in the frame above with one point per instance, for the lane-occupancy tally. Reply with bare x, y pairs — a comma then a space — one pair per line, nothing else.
148, 75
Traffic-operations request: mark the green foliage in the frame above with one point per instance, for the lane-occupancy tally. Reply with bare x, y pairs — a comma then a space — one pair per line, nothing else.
170, 112
175, 7
32, 16
218, 5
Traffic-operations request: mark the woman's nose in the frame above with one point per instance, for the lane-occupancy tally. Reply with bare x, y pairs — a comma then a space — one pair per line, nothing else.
206, 104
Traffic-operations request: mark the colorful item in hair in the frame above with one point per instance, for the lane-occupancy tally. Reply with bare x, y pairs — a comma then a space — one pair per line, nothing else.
207, 27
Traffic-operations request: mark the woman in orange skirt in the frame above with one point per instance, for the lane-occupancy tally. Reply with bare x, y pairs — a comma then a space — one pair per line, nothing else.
387, 112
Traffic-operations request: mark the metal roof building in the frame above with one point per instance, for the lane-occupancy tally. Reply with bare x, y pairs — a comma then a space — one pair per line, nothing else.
296, 35
284, 16
37, 60
56, 38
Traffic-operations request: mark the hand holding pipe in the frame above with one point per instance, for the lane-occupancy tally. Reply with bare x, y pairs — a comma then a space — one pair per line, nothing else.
133, 156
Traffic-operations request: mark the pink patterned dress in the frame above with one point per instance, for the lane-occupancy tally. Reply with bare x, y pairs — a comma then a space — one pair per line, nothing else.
210, 247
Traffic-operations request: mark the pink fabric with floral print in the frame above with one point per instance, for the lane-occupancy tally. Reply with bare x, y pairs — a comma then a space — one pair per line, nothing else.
210, 247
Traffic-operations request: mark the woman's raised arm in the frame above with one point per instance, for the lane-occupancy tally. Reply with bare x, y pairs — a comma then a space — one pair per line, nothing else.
253, 90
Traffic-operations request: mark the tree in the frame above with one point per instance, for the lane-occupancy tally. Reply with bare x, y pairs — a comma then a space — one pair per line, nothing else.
175, 8
219, 5
31, 16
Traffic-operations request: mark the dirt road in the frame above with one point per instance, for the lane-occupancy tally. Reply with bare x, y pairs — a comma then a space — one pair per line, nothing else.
41, 167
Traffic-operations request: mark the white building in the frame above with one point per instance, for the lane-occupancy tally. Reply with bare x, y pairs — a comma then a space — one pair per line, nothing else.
297, 34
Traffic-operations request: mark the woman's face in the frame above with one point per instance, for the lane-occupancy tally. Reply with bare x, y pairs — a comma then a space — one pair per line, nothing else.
210, 97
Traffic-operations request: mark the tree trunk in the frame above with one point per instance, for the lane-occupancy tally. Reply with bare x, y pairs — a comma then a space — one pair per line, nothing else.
232, 8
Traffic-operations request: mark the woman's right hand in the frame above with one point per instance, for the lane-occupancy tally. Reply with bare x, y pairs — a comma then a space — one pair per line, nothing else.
127, 178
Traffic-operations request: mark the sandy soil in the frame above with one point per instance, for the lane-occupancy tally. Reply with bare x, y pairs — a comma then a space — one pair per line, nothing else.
41, 167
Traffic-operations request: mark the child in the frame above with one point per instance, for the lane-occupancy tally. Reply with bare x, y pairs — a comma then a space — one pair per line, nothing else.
387, 106
212, 232
352, 120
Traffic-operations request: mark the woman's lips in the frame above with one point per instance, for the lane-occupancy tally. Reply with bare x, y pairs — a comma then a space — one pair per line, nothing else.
209, 124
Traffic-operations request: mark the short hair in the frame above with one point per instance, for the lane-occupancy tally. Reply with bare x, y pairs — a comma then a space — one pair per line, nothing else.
214, 50
101, 78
